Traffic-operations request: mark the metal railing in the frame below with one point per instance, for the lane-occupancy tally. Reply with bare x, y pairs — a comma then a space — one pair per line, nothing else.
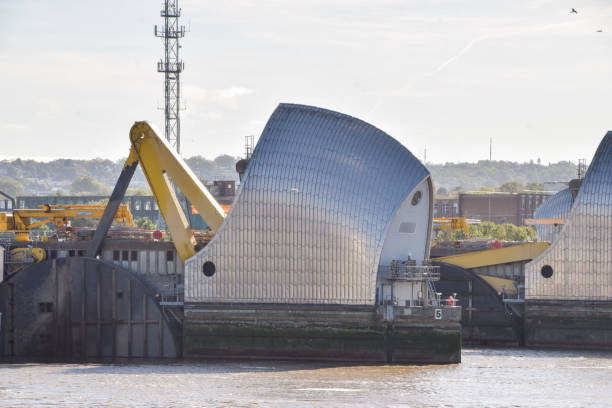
409, 272
173, 296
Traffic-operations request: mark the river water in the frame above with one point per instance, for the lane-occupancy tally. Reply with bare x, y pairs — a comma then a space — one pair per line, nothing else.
486, 377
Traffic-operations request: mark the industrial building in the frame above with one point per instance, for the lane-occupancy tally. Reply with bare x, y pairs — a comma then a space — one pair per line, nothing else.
501, 208
497, 207
446, 207
6, 202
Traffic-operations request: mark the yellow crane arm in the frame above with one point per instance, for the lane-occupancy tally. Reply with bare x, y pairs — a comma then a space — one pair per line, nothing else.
21, 220
162, 166
59, 214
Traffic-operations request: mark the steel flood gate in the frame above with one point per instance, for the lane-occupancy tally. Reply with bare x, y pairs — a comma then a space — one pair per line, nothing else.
83, 308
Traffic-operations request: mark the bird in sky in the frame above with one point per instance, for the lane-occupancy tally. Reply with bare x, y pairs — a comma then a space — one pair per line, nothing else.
573, 11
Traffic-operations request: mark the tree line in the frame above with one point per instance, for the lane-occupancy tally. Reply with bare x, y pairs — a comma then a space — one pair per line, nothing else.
487, 229
98, 176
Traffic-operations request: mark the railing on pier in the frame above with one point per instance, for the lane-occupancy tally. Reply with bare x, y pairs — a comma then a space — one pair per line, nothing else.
173, 296
409, 271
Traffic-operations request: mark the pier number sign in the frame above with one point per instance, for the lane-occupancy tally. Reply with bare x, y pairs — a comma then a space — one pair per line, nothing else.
438, 314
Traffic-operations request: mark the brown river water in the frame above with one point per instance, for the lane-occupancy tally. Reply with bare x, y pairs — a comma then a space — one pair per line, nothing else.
486, 377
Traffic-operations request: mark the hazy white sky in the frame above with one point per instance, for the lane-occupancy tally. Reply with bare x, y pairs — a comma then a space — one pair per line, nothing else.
446, 74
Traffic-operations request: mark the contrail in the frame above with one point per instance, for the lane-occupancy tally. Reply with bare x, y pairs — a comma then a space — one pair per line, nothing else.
469, 45
459, 54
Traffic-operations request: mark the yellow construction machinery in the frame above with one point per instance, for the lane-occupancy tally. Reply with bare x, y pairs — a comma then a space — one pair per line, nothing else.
544, 221
22, 221
27, 255
456, 223
164, 169
19, 258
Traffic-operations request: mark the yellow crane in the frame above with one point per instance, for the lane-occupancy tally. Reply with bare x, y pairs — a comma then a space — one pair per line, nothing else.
22, 221
162, 167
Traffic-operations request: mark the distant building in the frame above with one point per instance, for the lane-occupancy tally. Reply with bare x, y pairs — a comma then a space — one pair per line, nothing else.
501, 208
223, 191
446, 207
6, 202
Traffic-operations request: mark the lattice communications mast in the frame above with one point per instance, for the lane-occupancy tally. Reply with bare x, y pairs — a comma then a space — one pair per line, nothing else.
171, 66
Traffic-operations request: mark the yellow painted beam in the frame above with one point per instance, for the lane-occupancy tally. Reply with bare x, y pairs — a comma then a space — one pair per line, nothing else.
496, 256
500, 284
159, 163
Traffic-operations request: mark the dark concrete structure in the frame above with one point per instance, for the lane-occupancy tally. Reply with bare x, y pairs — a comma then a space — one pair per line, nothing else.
323, 332
569, 324
485, 319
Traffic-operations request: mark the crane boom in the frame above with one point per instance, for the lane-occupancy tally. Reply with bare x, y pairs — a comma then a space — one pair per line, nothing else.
21, 221
161, 165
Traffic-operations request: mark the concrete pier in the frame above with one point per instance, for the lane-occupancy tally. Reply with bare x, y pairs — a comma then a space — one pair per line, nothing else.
323, 332
568, 324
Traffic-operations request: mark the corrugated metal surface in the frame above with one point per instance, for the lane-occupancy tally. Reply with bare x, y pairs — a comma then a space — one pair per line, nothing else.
557, 206
581, 257
310, 219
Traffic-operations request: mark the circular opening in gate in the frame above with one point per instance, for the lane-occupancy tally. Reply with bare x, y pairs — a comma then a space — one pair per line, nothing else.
547, 271
416, 197
208, 268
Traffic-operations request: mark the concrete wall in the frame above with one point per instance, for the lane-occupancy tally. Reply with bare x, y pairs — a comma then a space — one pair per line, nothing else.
568, 324
446, 207
318, 332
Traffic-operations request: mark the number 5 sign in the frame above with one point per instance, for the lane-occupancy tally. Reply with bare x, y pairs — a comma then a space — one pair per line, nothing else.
438, 314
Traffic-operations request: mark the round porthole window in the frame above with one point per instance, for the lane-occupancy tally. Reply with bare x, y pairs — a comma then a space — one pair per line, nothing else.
417, 197
208, 269
547, 271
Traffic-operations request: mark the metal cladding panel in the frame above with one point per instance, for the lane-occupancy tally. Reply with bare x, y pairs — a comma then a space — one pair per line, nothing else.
557, 206
311, 216
581, 256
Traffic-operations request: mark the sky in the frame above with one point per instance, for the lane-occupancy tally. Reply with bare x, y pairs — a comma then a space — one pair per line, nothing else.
440, 75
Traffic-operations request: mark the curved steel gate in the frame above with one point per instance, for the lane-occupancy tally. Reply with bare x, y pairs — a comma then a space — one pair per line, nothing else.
79, 308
